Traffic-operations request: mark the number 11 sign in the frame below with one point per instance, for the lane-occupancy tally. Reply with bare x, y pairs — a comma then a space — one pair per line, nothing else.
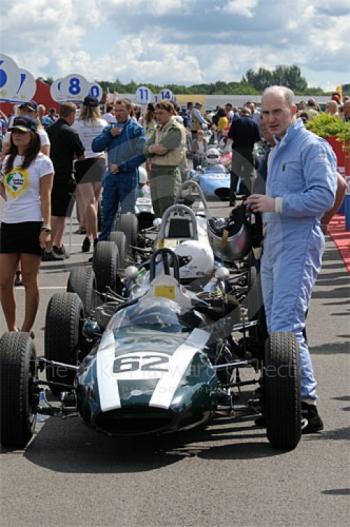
144, 95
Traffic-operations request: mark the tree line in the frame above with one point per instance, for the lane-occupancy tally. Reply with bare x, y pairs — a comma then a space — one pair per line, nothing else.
252, 83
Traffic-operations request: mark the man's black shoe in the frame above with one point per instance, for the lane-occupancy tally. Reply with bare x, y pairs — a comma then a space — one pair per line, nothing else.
260, 421
61, 251
51, 256
311, 422
85, 248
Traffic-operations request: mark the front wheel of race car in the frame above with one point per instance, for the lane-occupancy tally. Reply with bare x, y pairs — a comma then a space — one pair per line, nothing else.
120, 241
19, 399
62, 332
128, 224
105, 263
82, 281
282, 391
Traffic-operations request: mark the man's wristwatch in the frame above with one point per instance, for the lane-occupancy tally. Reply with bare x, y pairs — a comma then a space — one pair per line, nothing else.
45, 228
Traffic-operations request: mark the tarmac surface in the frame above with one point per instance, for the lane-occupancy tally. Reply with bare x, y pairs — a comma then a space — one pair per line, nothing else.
226, 474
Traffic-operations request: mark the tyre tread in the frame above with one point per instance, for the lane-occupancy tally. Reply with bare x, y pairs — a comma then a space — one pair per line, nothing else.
16, 352
282, 393
105, 263
63, 316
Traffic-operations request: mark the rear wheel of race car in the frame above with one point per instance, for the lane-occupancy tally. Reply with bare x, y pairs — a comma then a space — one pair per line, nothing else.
128, 224
254, 297
282, 391
62, 332
105, 263
18, 394
120, 241
83, 282
253, 302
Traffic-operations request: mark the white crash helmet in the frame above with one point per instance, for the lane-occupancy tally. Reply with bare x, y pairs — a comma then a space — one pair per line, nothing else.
231, 238
213, 156
199, 259
143, 177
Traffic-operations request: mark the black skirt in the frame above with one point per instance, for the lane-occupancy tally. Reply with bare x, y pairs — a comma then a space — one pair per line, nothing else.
89, 170
20, 237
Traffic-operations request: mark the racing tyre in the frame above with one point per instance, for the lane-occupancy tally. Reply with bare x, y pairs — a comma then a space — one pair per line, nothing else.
254, 299
120, 241
83, 282
104, 264
62, 330
256, 311
128, 224
18, 395
282, 391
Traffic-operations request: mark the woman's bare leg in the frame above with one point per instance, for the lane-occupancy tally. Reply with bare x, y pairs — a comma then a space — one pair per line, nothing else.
8, 266
30, 269
88, 192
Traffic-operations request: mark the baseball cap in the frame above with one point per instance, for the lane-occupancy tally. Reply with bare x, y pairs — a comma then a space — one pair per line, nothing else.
29, 105
90, 101
24, 124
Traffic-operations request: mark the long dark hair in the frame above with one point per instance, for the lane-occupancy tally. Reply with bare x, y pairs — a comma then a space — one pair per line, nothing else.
149, 115
30, 154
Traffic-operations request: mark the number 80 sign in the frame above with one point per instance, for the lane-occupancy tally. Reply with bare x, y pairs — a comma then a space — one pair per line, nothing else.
74, 88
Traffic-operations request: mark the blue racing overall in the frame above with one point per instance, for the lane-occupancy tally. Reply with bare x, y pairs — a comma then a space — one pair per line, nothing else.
120, 188
302, 176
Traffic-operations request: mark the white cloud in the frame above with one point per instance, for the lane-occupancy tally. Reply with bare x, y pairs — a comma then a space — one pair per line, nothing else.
241, 7
156, 7
145, 59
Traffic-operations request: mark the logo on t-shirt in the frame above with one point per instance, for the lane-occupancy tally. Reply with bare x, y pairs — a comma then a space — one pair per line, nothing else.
16, 182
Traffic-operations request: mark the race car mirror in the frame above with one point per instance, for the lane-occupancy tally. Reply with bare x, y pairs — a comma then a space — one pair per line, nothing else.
222, 273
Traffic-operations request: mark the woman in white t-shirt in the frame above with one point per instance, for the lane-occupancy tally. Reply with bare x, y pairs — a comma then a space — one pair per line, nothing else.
25, 185
89, 171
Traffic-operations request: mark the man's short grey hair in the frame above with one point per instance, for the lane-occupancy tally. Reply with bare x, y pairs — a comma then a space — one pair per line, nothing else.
286, 93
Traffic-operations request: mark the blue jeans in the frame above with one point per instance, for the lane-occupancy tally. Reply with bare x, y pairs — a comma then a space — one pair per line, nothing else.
118, 190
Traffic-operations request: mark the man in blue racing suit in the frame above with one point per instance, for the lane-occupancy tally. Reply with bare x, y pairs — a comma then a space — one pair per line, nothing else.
124, 143
301, 187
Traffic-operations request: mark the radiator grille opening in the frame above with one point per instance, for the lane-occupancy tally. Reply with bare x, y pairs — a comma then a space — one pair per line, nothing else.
133, 421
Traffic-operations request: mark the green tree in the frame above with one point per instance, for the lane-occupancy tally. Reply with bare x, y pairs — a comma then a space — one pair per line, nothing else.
289, 76
282, 75
252, 83
259, 80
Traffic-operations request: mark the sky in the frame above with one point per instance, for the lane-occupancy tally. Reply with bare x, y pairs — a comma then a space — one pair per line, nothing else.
178, 41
